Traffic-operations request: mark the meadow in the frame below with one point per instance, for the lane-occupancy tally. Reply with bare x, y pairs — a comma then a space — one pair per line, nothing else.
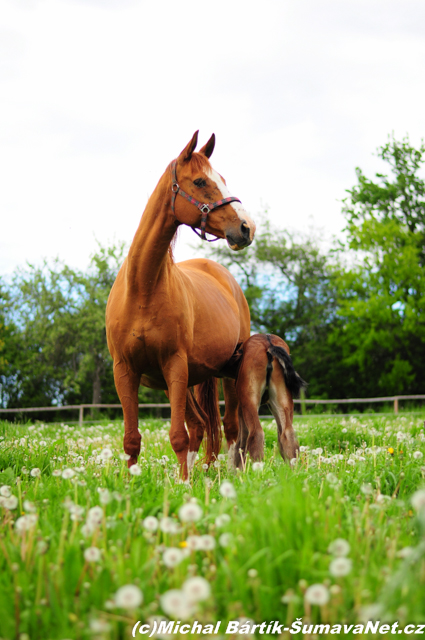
88, 549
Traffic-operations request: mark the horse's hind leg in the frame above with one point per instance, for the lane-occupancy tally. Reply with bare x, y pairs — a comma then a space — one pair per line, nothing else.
231, 417
196, 425
127, 385
282, 406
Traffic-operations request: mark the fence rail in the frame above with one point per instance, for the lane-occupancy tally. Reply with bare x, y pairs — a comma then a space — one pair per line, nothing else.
165, 405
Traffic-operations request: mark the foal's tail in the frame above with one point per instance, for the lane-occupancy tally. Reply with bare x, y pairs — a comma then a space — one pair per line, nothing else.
293, 380
207, 397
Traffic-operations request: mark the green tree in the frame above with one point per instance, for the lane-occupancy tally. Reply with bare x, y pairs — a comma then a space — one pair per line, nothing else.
57, 344
381, 296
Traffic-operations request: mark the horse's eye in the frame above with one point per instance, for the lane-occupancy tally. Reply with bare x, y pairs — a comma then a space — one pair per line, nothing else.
200, 182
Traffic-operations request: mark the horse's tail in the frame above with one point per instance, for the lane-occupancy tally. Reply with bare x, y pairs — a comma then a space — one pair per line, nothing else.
207, 397
293, 380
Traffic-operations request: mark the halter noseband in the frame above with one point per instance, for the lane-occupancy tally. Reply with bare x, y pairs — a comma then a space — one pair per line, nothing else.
204, 208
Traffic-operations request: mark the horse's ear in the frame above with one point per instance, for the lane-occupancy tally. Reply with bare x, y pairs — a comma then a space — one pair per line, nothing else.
186, 154
208, 148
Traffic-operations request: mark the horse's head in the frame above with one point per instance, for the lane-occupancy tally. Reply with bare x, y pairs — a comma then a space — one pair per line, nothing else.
195, 179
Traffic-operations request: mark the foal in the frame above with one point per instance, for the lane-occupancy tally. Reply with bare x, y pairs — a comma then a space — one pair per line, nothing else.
265, 374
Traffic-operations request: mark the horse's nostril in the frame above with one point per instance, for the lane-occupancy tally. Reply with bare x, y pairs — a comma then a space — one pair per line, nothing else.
245, 229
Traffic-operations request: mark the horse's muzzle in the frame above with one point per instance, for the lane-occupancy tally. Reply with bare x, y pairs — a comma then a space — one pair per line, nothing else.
242, 238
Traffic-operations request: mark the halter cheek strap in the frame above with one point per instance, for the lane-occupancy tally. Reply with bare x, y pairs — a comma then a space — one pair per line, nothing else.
204, 208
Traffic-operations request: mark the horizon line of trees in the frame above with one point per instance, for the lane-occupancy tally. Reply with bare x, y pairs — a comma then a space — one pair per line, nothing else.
353, 314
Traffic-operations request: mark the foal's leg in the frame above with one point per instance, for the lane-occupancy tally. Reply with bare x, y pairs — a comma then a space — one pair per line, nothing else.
176, 376
231, 417
127, 385
282, 406
250, 387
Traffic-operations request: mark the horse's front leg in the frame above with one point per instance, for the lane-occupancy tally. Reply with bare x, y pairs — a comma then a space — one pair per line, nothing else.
176, 376
127, 385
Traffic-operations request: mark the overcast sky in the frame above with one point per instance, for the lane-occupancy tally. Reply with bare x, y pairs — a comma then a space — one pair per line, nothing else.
97, 96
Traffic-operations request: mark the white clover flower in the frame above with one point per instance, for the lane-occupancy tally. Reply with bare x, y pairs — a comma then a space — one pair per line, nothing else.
418, 500
317, 594
5, 491
222, 520
225, 540
36, 472
57, 472
10, 503
172, 557
227, 490
258, 466
340, 567
206, 543
190, 512
196, 589
92, 554
26, 523
339, 547
150, 523
106, 454
135, 470
176, 604
417, 455
128, 597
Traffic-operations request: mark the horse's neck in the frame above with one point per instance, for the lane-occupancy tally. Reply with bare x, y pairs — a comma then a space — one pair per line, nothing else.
149, 258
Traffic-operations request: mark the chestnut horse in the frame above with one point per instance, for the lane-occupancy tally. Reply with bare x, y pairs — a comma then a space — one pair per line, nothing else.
264, 374
173, 326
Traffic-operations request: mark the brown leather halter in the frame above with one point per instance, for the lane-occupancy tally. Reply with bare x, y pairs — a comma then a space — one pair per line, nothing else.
204, 208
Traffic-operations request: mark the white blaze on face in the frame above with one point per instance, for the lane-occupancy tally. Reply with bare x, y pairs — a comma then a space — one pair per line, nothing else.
225, 193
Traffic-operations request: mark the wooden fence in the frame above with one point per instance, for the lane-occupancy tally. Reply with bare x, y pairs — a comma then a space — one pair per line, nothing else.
80, 407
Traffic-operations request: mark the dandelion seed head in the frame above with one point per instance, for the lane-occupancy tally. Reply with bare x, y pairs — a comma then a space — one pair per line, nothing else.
227, 489
190, 512
172, 557
92, 554
340, 567
128, 597
196, 589
339, 547
317, 594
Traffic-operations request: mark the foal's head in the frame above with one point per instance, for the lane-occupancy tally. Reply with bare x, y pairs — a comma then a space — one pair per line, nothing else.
198, 179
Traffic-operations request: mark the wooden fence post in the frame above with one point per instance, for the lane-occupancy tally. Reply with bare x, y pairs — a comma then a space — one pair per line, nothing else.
396, 404
80, 417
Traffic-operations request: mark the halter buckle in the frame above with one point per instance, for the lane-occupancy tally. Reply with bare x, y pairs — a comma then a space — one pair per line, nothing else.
204, 208
175, 187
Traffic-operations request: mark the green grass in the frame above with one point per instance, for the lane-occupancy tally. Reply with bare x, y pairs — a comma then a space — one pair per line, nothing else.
282, 521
